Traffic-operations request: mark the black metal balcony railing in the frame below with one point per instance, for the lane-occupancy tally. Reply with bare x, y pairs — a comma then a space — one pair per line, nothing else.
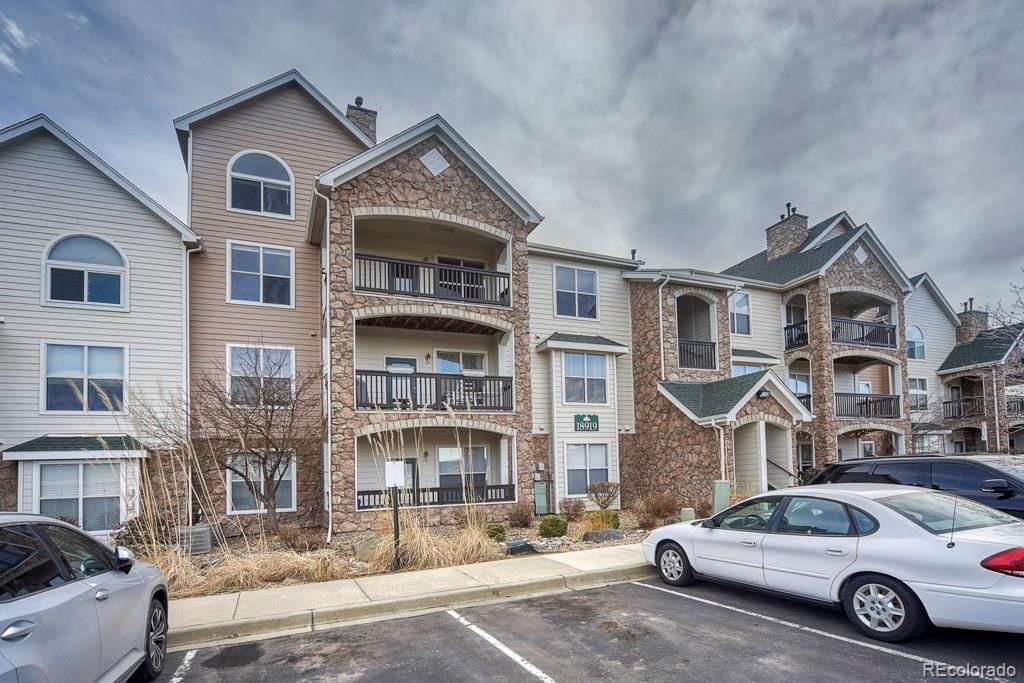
430, 280
696, 354
379, 389
864, 333
964, 407
1015, 406
805, 399
796, 335
867, 405
492, 493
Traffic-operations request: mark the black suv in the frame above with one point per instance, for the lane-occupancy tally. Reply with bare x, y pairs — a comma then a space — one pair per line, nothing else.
995, 480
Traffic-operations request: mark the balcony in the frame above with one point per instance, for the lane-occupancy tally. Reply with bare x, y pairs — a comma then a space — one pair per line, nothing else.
805, 399
385, 275
848, 331
796, 335
867, 406
1015, 406
415, 497
699, 355
965, 407
384, 390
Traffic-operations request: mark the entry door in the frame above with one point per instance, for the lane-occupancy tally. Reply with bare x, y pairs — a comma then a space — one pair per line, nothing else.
401, 388
813, 542
412, 479
732, 549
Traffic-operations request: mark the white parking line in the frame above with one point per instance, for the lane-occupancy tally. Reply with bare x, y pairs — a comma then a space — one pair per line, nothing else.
507, 651
186, 664
808, 629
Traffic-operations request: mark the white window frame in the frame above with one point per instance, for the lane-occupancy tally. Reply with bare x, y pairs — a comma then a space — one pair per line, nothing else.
268, 347
752, 368
608, 361
962, 443
122, 489
85, 376
461, 364
244, 176
554, 291
749, 314
860, 449
586, 444
916, 342
48, 264
918, 392
230, 244
260, 508
462, 472
799, 456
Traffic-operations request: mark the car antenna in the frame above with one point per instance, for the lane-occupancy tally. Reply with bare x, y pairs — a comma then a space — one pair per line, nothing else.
956, 500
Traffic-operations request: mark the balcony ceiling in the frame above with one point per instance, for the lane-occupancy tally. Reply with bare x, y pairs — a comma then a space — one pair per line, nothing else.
428, 323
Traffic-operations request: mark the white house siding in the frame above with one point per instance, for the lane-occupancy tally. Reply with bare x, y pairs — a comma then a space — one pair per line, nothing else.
922, 309
375, 344
766, 316
47, 191
746, 448
422, 445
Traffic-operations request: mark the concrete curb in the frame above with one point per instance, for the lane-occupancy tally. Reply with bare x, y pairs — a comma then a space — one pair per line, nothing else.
311, 620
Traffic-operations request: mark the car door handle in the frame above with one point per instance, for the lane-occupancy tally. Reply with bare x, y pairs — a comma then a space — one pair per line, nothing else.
102, 594
749, 544
19, 630
838, 552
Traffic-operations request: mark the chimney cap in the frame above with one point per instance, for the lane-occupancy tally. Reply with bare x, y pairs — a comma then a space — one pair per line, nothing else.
359, 100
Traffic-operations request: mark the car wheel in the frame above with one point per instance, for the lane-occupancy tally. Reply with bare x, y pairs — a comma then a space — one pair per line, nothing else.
884, 609
673, 567
156, 643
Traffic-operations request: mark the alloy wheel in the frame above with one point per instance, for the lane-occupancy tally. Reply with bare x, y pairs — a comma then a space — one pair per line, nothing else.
879, 607
671, 565
157, 636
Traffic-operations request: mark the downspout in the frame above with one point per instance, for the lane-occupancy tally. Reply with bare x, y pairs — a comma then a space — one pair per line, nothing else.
721, 446
325, 246
186, 346
661, 324
995, 408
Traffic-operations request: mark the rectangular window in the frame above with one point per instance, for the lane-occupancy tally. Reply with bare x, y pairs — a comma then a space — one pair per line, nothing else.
805, 456
241, 498
800, 383
472, 470
576, 292
454, 362
260, 275
586, 378
85, 493
84, 378
918, 394
867, 449
739, 313
740, 369
585, 464
259, 376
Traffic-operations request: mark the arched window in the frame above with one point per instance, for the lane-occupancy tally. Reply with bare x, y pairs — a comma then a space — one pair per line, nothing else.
86, 270
259, 182
915, 342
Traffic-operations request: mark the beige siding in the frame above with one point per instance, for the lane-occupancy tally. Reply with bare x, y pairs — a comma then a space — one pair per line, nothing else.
288, 123
47, 191
878, 375
423, 445
923, 310
375, 345
748, 466
423, 241
766, 322
780, 452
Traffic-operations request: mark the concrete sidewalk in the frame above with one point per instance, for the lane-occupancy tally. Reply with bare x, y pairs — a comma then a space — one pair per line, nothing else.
307, 607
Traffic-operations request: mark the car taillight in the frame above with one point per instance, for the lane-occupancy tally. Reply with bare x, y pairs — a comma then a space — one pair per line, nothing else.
1007, 562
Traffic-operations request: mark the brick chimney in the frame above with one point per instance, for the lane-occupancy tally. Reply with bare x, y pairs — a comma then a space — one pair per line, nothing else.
971, 322
788, 234
365, 119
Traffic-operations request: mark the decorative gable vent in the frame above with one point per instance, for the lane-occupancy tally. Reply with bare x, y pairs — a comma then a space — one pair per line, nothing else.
434, 162
861, 255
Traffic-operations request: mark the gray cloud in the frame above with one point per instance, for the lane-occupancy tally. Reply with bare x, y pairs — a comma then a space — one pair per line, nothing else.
680, 129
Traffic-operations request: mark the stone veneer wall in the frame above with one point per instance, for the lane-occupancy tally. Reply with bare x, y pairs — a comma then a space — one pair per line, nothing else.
671, 331
8, 485
391, 188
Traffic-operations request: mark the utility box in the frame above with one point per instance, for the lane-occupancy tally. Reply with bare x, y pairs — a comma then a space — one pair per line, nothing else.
720, 497
540, 497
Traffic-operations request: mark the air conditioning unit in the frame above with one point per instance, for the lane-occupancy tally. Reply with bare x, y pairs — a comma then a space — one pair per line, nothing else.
196, 539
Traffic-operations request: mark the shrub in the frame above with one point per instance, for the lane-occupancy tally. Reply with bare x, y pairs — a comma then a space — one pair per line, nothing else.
572, 508
645, 520
603, 519
141, 532
553, 526
663, 506
603, 493
421, 547
520, 515
496, 531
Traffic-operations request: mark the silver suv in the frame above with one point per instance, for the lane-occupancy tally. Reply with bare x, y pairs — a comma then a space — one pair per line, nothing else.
73, 609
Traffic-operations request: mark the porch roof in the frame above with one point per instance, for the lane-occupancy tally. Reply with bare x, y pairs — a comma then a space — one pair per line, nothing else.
581, 342
704, 402
750, 354
91, 446
990, 346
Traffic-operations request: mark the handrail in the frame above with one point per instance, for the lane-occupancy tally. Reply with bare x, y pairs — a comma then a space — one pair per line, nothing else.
861, 332
405, 277
383, 390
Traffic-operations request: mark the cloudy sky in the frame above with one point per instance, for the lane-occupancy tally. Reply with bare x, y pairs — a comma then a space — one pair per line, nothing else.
679, 129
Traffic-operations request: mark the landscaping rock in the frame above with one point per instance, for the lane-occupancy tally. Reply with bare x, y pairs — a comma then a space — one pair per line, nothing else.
364, 547
519, 546
603, 535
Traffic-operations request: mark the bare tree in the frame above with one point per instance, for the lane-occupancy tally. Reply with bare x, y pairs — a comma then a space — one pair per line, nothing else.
256, 417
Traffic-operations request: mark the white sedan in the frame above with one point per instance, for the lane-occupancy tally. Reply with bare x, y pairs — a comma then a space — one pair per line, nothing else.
895, 558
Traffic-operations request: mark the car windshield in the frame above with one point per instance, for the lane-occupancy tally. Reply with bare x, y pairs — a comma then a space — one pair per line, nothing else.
1009, 464
934, 512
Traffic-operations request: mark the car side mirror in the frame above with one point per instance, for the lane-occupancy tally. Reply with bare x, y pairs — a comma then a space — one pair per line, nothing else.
996, 486
709, 523
125, 559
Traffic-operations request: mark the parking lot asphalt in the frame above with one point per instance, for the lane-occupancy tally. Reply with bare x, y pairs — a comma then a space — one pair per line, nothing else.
642, 631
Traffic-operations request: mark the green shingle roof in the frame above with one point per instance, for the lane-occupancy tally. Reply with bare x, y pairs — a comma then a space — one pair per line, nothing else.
988, 347
916, 280
750, 353
117, 442
713, 398
582, 339
794, 264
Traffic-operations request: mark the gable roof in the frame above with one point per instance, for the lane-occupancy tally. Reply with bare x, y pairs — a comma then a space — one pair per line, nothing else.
582, 342
813, 257
184, 123
45, 123
924, 279
990, 346
434, 125
707, 402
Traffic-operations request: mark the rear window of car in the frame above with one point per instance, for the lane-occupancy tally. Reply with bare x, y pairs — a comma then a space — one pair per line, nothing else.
855, 474
943, 513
